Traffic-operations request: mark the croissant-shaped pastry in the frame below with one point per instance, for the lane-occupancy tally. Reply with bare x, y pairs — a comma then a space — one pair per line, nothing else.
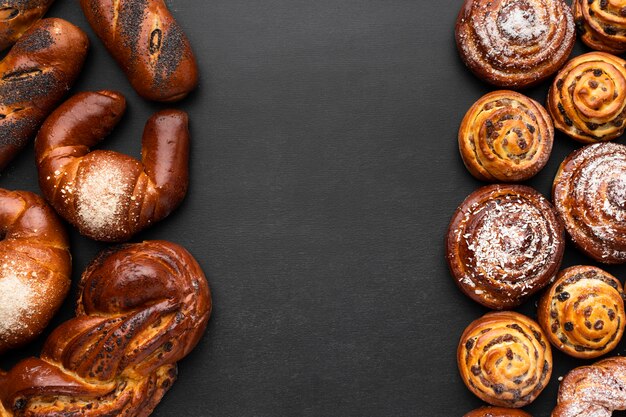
601, 24
109, 196
497, 412
34, 77
589, 193
141, 308
16, 16
148, 44
35, 267
505, 359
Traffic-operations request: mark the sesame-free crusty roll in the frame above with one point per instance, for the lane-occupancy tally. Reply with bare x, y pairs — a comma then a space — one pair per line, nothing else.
16, 16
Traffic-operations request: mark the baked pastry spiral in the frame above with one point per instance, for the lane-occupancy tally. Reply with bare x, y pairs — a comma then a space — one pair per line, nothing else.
505, 359
593, 391
583, 312
141, 308
34, 77
35, 267
497, 412
514, 43
16, 16
601, 24
587, 100
589, 193
503, 244
109, 196
505, 136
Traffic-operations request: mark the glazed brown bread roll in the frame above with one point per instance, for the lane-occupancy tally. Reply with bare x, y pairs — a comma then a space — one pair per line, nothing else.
497, 412
141, 308
505, 136
601, 24
514, 43
34, 77
583, 312
505, 359
147, 43
16, 16
35, 267
503, 244
593, 391
589, 193
109, 196
587, 99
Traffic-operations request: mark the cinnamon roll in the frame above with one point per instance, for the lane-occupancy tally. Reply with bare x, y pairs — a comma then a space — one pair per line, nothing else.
587, 99
601, 24
514, 43
582, 313
589, 193
503, 244
505, 359
505, 136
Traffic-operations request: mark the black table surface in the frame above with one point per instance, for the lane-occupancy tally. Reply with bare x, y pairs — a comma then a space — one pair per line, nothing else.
324, 172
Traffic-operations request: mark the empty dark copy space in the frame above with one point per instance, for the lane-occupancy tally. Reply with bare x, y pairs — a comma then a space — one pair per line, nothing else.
324, 171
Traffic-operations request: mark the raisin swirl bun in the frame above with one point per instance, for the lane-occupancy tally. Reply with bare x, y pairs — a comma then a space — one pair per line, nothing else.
505, 359
505, 136
141, 308
601, 24
514, 43
587, 100
503, 244
497, 412
583, 312
16, 16
589, 193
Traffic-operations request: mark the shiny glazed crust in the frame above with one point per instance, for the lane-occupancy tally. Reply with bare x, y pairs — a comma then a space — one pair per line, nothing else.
34, 77
505, 359
141, 308
589, 193
587, 100
148, 44
497, 412
601, 24
503, 244
35, 251
514, 43
16, 16
109, 196
505, 136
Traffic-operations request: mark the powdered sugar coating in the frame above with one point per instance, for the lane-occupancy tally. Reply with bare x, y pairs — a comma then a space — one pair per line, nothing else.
15, 300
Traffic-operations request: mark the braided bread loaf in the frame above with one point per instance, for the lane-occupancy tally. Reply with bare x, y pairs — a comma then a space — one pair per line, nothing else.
141, 308
16, 16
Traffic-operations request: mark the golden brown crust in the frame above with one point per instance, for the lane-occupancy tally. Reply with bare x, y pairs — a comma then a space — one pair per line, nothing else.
587, 100
601, 24
109, 196
503, 244
589, 193
148, 44
141, 308
34, 77
505, 136
505, 359
514, 43
17, 16
582, 313
497, 412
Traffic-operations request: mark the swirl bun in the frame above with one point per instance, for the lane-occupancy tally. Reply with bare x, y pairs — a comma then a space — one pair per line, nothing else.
505, 136
589, 193
505, 359
514, 43
503, 244
601, 24
497, 412
587, 99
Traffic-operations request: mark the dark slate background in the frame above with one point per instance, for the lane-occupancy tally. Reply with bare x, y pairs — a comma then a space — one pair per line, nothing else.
325, 170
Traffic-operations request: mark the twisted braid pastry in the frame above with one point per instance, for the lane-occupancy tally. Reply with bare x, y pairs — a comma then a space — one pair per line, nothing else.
505, 136
514, 43
589, 193
141, 308
504, 243
593, 391
583, 312
601, 24
109, 196
34, 77
16, 16
35, 266
505, 359
497, 412
587, 99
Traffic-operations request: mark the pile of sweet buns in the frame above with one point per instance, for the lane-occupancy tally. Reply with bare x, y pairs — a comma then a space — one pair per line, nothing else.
506, 241
141, 307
